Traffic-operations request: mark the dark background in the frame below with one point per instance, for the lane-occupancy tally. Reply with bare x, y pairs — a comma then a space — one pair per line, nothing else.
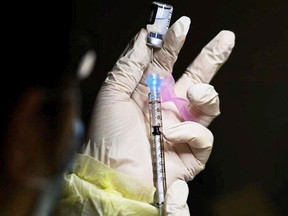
247, 173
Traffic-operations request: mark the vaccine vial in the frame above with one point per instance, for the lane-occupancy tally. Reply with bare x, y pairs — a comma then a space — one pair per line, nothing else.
158, 23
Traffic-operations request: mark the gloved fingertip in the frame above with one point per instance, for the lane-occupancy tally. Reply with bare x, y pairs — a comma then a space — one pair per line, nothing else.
185, 19
176, 199
226, 37
181, 26
179, 189
184, 23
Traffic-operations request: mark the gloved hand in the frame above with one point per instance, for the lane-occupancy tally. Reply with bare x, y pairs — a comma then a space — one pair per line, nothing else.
119, 132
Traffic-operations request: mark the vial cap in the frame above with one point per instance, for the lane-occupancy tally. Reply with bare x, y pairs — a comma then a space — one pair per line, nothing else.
154, 42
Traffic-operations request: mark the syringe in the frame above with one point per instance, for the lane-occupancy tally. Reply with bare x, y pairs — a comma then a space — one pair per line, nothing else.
159, 175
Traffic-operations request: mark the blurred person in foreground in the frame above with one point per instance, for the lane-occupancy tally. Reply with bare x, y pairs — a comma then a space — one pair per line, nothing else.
40, 109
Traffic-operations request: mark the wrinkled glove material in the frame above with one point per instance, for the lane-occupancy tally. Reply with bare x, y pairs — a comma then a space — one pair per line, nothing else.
95, 189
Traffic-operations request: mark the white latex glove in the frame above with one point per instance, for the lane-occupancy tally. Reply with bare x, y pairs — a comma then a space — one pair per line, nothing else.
176, 198
119, 133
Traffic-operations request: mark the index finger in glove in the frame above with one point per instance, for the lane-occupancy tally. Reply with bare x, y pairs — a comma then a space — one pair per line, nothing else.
165, 57
129, 69
208, 62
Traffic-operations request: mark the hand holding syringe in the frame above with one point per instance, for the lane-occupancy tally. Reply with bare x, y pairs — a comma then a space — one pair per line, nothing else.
118, 128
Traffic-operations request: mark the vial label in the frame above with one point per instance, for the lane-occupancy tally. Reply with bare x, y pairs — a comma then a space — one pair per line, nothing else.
159, 20
158, 23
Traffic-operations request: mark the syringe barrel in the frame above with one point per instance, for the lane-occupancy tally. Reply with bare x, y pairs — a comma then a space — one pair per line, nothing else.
158, 159
155, 111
